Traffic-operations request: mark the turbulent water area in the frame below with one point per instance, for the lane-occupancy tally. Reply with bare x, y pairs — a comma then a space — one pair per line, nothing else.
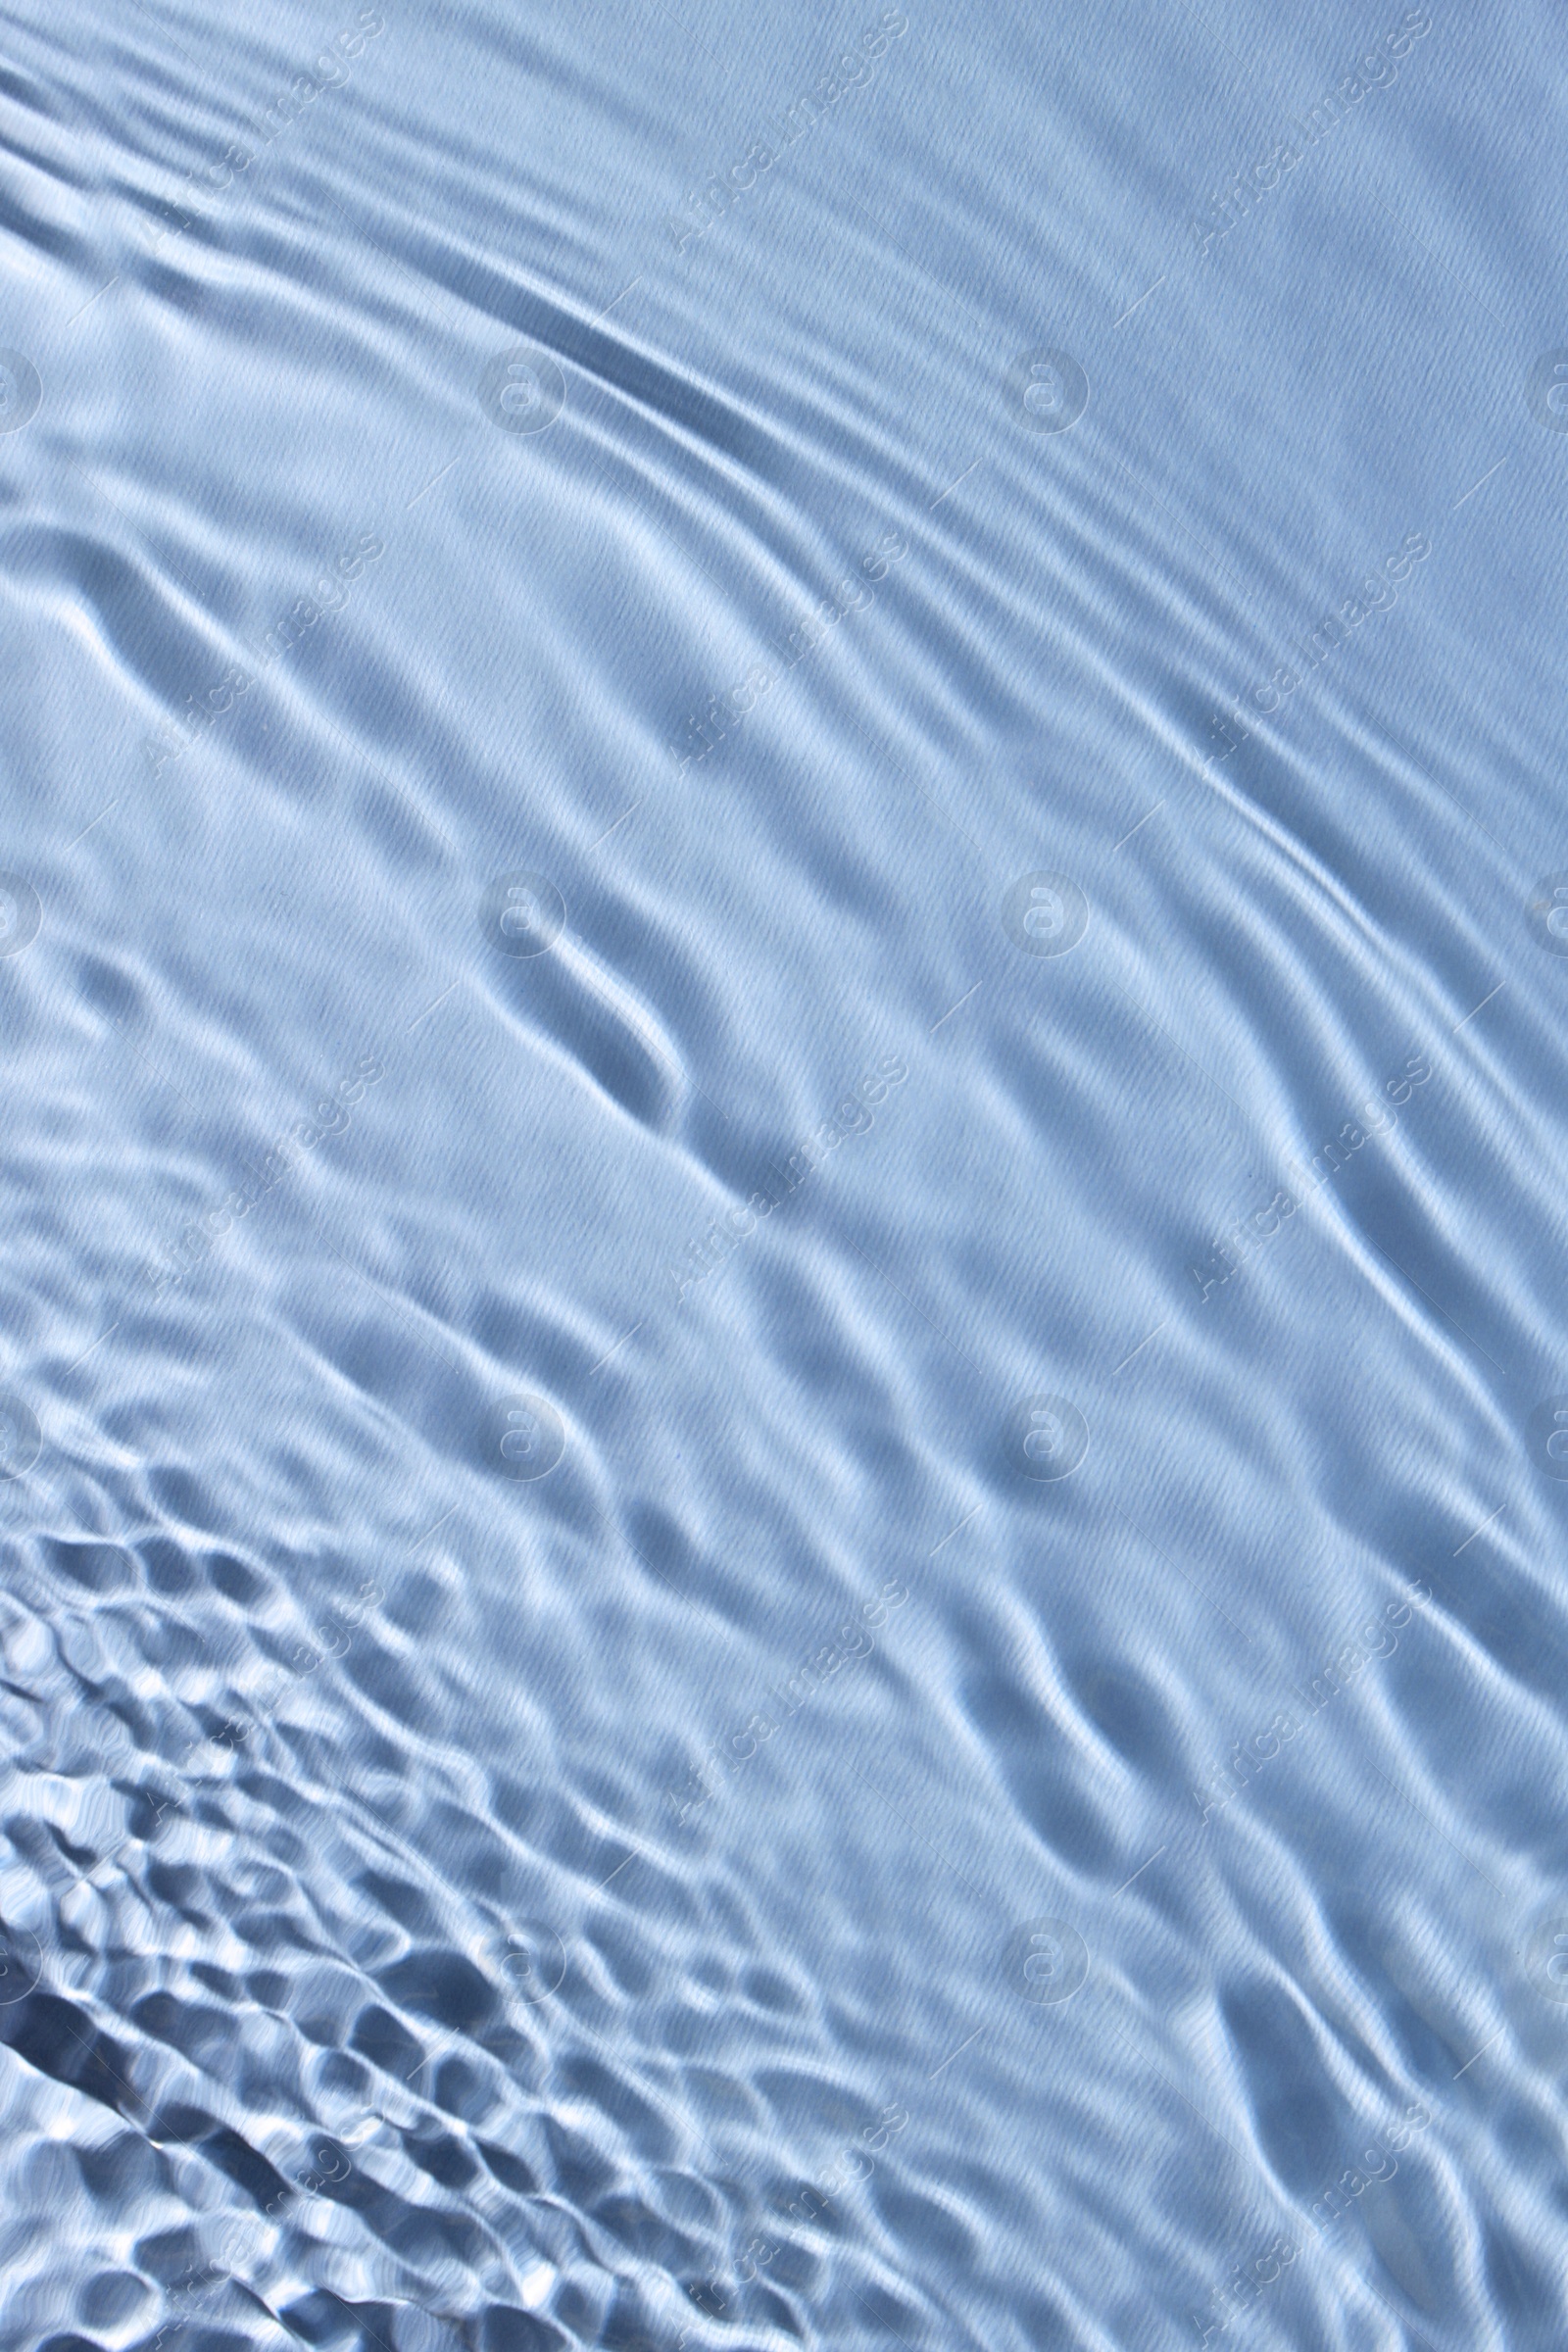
783, 975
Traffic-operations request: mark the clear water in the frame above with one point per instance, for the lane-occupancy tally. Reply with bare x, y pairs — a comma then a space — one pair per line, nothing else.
782, 976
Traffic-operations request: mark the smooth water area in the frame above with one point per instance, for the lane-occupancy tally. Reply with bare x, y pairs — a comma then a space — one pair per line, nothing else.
783, 965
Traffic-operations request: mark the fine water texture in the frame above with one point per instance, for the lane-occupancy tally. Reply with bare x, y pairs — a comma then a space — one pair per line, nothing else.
783, 976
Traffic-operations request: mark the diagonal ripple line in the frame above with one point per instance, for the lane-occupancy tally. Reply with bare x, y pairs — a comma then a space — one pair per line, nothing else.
1142, 299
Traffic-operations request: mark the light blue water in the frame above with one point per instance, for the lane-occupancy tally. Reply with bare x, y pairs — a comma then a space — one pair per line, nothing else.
785, 1405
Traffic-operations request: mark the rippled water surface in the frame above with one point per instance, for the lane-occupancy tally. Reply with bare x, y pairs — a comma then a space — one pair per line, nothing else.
783, 1396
